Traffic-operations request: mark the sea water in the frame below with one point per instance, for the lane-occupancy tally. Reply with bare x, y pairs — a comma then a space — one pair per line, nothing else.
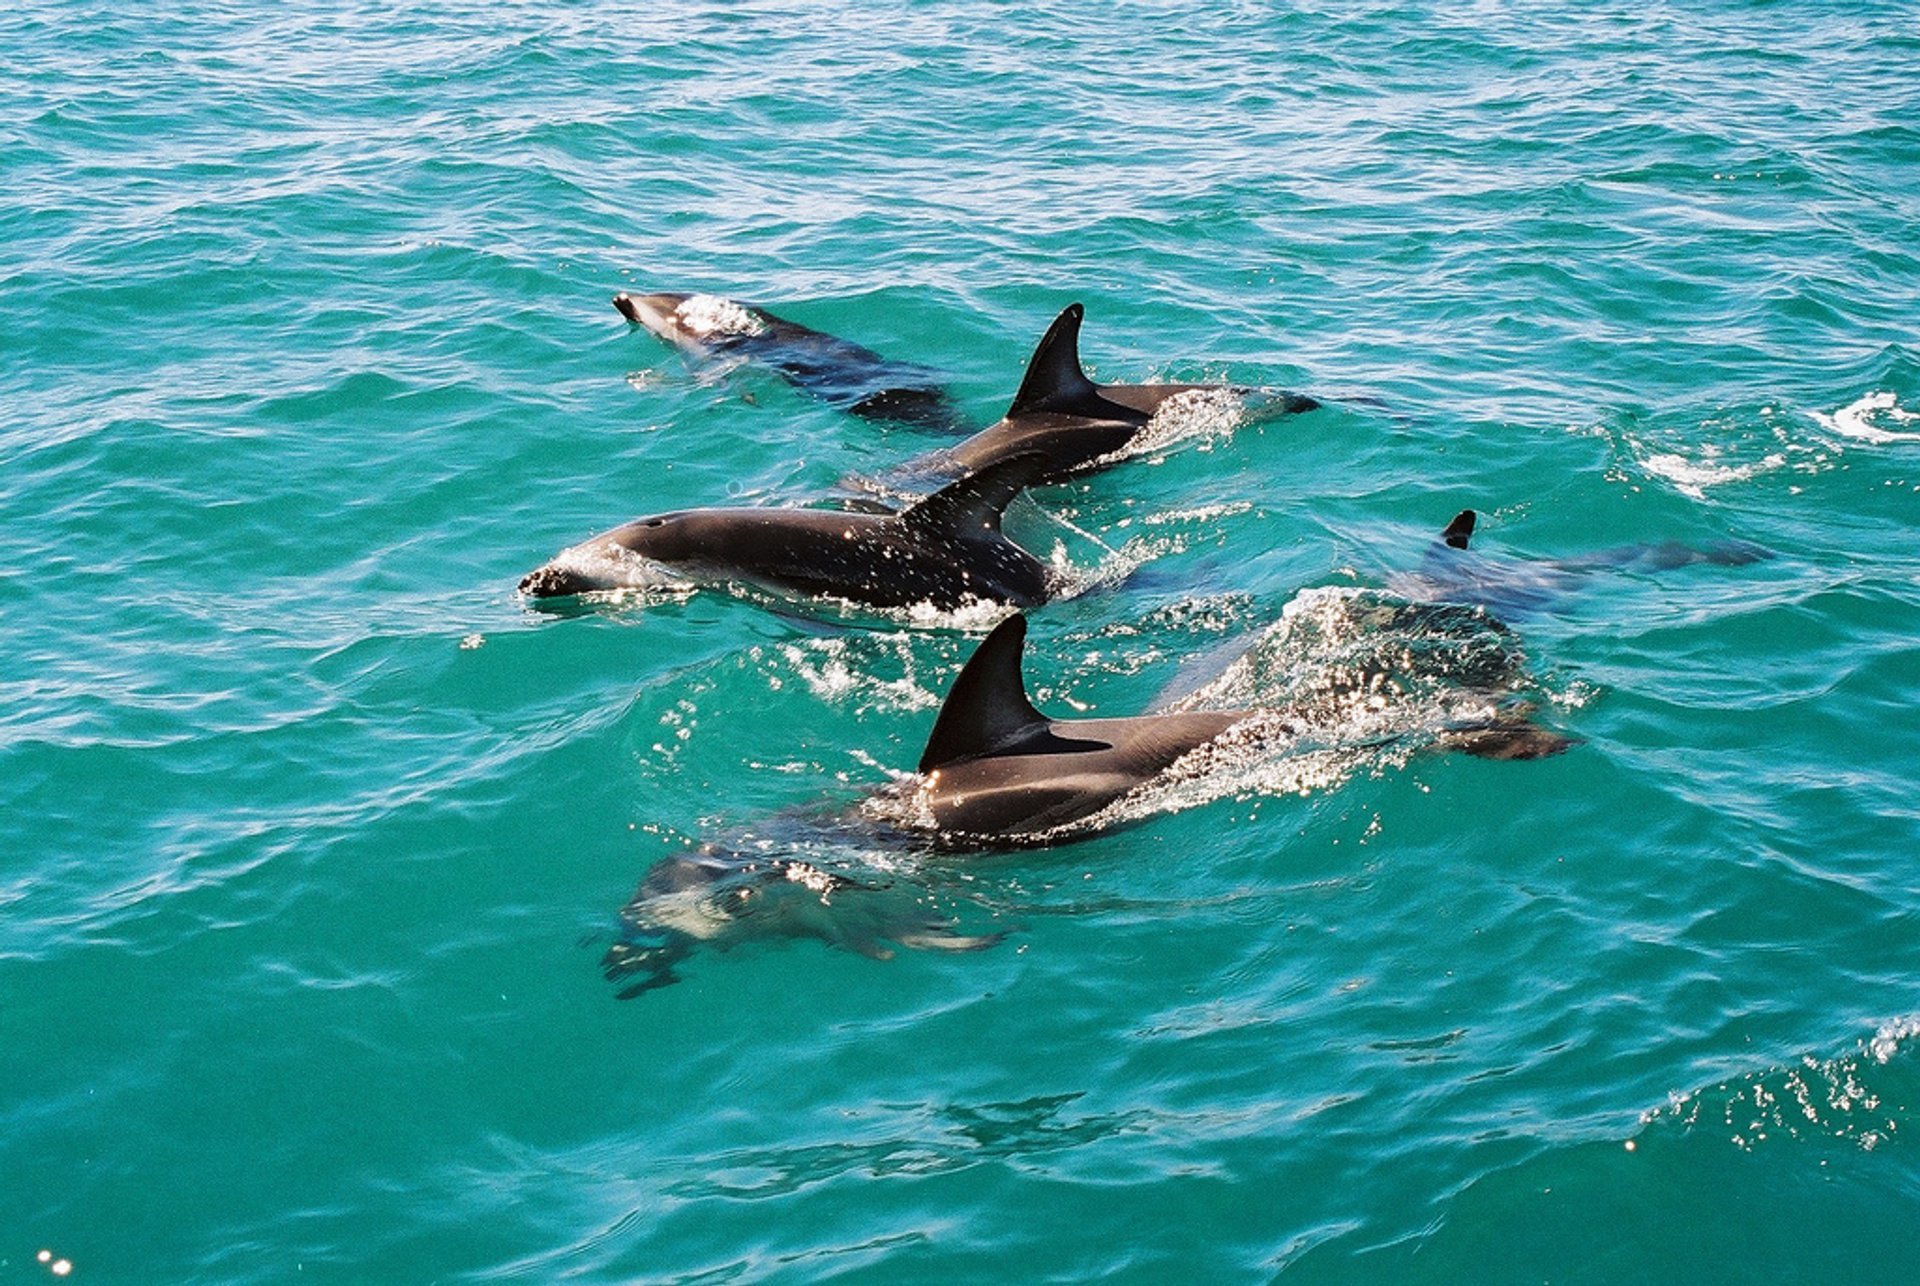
313, 833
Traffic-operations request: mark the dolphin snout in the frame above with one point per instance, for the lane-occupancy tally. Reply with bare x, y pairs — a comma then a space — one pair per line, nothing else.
655, 312
552, 582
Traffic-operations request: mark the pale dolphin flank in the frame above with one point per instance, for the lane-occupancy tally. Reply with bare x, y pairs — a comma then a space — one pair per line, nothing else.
945, 550
837, 371
995, 768
1073, 423
718, 900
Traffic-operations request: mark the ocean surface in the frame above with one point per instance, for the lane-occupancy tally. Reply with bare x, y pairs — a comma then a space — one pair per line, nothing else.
314, 833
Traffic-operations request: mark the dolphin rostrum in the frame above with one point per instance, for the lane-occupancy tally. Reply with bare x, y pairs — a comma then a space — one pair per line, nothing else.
946, 549
837, 371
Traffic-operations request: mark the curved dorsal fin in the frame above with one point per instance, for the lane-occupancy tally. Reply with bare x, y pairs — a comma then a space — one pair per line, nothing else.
1460, 530
987, 706
1055, 380
976, 501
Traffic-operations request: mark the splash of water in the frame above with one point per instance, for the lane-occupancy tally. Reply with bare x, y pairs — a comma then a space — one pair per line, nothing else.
1864, 420
713, 317
1863, 1098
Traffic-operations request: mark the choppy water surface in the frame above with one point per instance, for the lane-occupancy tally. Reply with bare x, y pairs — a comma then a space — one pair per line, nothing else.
314, 835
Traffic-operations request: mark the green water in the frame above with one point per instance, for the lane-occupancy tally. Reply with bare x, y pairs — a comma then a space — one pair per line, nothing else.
312, 832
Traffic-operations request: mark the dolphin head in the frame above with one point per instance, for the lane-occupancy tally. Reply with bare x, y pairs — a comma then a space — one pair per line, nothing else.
697, 323
655, 312
640, 555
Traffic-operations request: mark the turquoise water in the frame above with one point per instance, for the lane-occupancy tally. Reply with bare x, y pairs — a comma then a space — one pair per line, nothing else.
312, 833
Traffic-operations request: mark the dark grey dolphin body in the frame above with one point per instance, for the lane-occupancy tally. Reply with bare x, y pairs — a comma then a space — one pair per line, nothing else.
997, 772
946, 550
996, 769
837, 371
1074, 424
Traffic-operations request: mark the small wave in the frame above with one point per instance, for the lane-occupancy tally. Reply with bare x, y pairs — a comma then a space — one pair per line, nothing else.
1731, 446
1866, 419
847, 669
1115, 564
1860, 1098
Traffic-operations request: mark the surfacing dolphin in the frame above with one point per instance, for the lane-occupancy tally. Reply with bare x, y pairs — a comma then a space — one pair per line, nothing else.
946, 550
1075, 424
997, 772
995, 767
837, 371
1512, 587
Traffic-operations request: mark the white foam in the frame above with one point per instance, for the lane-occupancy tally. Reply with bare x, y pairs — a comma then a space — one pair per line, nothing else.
1693, 477
710, 316
1203, 415
1886, 1042
1840, 1098
612, 567
833, 673
1865, 419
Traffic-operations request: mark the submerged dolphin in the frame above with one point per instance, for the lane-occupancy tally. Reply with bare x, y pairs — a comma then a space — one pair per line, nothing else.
1073, 423
837, 371
1510, 587
719, 900
946, 549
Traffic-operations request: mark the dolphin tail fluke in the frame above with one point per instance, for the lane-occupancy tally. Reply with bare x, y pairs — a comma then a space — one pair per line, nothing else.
1055, 381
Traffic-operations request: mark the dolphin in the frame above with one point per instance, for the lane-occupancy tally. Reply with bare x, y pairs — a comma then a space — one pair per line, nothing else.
1074, 423
719, 899
995, 768
998, 772
1510, 587
837, 371
945, 549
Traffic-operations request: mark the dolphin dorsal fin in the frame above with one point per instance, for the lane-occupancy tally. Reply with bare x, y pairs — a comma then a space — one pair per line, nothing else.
987, 707
1459, 531
1056, 381
976, 501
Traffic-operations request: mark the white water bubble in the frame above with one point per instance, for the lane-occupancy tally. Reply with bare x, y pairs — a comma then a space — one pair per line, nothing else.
711, 315
1867, 419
